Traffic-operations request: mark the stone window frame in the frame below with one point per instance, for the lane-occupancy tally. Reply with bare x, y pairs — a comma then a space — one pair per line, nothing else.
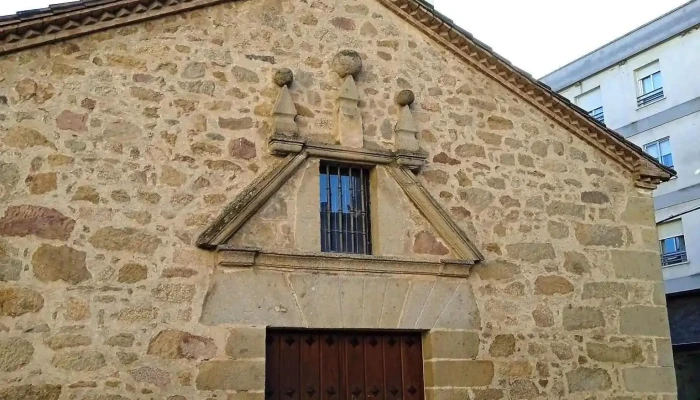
294, 152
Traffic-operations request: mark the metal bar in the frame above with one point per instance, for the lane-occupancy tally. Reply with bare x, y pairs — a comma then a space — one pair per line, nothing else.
351, 189
364, 222
329, 244
341, 248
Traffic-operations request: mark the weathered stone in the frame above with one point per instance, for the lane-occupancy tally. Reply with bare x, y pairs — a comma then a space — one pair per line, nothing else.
199, 87
343, 23
469, 150
523, 389
531, 252
502, 346
578, 318
70, 121
176, 344
644, 321
10, 269
426, 243
551, 285
599, 235
283, 77
405, 98
124, 239
172, 177
152, 375
566, 209
604, 290
576, 263
120, 340
86, 193
543, 316
194, 70
557, 230
53, 263
21, 138
618, 354
244, 75
132, 273
174, 292
595, 197
649, 379
146, 94
242, 148
31, 392
488, 394
79, 360
644, 265
463, 373
41, 183
451, 344
121, 132
126, 358
42, 222
65, 341
499, 123
137, 314
231, 375
235, 124
76, 310
16, 301
15, 353
588, 379
477, 199
639, 211
179, 272
245, 343
498, 270
347, 62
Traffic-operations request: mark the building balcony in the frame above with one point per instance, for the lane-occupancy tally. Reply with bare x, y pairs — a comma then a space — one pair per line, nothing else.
598, 114
651, 97
678, 257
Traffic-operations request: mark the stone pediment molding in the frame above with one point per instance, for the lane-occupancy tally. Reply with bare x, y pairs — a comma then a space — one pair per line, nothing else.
60, 22
401, 167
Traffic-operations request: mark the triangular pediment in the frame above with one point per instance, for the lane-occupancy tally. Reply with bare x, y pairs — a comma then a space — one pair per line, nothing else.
279, 211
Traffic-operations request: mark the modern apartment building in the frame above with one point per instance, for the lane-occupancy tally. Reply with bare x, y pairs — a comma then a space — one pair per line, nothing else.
646, 86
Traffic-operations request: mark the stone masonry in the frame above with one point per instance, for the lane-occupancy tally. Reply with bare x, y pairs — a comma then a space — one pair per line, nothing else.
118, 148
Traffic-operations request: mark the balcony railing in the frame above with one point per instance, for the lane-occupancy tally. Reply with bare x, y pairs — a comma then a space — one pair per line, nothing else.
650, 97
674, 258
598, 114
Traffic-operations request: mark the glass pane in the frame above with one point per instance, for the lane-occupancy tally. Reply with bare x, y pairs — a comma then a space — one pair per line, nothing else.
680, 243
668, 246
667, 160
665, 147
647, 85
656, 78
652, 150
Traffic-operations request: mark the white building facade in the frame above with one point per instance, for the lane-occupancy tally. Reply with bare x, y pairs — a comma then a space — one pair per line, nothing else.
646, 86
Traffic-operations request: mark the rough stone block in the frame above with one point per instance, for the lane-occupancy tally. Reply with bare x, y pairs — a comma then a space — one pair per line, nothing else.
246, 343
231, 375
462, 312
644, 321
458, 373
318, 297
437, 299
650, 380
644, 265
604, 290
588, 379
618, 354
447, 394
394, 297
577, 318
664, 353
451, 344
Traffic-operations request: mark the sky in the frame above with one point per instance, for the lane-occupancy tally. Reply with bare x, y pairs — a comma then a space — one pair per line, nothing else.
538, 36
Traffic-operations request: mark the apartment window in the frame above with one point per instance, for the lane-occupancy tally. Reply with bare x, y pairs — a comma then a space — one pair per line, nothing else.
650, 84
345, 205
673, 251
592, 102
661, 151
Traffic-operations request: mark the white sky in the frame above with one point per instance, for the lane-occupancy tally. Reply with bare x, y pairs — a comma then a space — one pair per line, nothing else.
536, 35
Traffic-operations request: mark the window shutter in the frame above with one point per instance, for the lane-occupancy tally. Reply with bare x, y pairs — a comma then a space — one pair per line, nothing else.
670, 229
590, 100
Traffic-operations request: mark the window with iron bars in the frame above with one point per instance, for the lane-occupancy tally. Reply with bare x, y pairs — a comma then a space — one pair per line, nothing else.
673, 251
344, 208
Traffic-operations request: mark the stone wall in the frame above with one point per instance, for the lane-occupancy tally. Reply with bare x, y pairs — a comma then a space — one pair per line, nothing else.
117, 149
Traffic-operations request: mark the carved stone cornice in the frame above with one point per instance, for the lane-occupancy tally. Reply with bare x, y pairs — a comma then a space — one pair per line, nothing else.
232, 257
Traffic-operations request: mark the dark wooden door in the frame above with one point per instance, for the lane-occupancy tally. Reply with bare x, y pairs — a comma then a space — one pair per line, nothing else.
343, 365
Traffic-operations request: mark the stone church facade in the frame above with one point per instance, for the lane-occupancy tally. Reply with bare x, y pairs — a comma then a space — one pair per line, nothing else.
163, 170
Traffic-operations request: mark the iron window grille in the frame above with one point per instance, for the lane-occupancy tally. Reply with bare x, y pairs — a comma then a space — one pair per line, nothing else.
673, 251
598, 114
344, 208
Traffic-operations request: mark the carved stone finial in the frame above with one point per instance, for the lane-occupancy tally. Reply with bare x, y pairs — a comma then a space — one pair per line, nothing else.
406, 130
348, 119
405, 98
283, 77
347, 62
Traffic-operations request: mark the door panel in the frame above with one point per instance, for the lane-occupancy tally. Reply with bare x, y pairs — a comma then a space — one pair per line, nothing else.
343, 365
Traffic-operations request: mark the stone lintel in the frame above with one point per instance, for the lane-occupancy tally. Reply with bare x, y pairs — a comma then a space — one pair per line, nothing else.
312, 261
281, 145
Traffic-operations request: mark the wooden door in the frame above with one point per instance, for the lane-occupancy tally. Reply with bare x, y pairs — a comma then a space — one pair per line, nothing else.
343, 365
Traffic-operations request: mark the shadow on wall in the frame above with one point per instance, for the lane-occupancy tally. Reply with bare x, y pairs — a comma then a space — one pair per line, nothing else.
687, 371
